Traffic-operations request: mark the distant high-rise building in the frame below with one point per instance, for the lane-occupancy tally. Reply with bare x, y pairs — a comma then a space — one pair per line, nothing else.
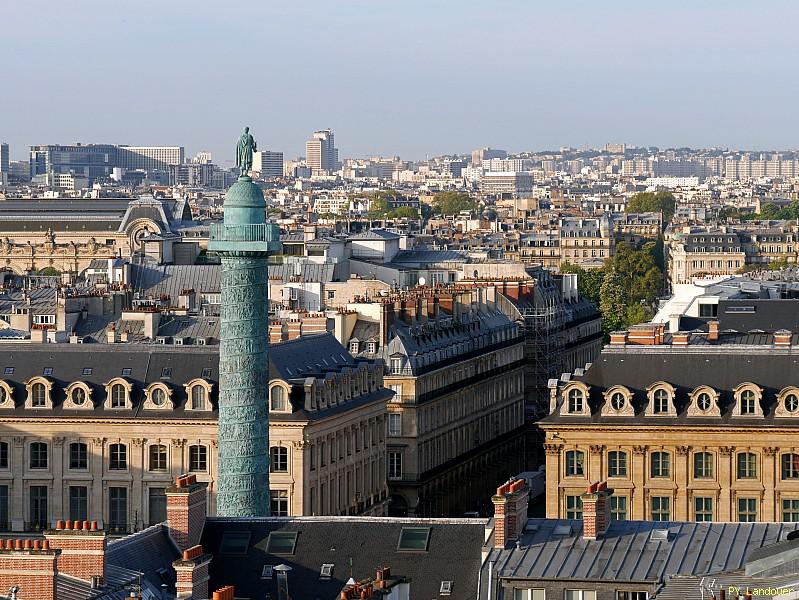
202, 158
150, 158
481, 154
267, 163
4, 158
321, 153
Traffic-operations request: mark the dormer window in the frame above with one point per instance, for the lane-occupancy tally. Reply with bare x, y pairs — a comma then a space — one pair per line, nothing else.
198, 393
704, 402
78, 396
660, 404
575, 401
39, 389
661, 400
157, 396
618, 402
118, 394
278, 399
354, 347
787, 402
6, 395
747, 401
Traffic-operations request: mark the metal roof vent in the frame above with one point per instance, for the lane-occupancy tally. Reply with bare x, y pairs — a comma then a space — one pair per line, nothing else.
562, 530
659, 535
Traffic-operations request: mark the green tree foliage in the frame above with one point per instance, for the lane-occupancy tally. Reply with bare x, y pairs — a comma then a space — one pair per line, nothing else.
406, 212
613, 302
378, 208
588, 280
49, 272
653, 202
451, 203
640, 274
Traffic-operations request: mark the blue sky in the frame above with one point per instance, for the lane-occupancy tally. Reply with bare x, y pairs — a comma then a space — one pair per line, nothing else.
411, 78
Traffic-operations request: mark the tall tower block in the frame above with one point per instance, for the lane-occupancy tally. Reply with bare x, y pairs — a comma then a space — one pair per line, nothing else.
243, 241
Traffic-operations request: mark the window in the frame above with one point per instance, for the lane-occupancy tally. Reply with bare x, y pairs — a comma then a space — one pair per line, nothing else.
118, 457
198, 458
157, 505
38, 455
618, 508
281, 542
575, 401
326, 572
574, 507
78, 396
617, 401
748, 402
580, 595
277, 399
394, 424
235, 543
279, 459
790, 511
3, 455
279, 501
395, 465
4, 521
198, 394
78, 502
660, 464
158, 396
46, 371
446, 588
87, 370
660, 404
396, 365
703, 465
414, 539
790, 466
792, 403
704, 402
126, 372
38, 507
617, 464
631, 596
661, 508
166, 372
118, 396
530, 594
118, 509
747, 465
9, 370
703, 509
78, 456
38, 395
747, 510
575, 461
158, 457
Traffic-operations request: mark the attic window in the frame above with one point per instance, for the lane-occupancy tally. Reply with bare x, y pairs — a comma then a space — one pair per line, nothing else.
9, 370
206, 373
327, 571
234, 543
47, 371
446, 588
281, 542
166, 372
740, 309
87, 370
126, 372
659, 535
267, 572
414, 539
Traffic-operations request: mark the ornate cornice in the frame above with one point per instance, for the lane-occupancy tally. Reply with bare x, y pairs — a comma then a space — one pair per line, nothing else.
553, 449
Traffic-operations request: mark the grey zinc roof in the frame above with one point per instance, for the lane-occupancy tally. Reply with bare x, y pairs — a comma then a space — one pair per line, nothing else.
626, 552
171, 279
375, 234
307, 271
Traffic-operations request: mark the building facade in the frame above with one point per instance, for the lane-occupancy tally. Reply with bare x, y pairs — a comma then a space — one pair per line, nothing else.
321, 154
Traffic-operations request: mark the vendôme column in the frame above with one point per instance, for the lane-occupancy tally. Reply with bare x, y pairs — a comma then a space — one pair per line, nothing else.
244, 241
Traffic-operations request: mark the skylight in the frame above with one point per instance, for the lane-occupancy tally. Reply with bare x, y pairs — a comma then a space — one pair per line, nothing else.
659, 535
327, 571
446, 588
267, 572
562, 530
414, 539
281, 542
87, 370
234, 542
125, 372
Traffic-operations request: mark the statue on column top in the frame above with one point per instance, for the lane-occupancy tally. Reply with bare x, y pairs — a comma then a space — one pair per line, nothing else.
244, 150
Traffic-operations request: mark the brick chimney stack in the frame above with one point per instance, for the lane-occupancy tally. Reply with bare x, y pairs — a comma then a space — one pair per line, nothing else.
596, 510
713, 331
192, 574
510, 511
782, 338
30, 565
186, 503
82, 547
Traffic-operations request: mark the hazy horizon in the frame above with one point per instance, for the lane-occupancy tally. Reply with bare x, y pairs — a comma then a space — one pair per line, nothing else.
410, 78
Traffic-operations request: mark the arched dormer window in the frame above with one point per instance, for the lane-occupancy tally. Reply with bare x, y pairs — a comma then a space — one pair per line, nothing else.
6, 395
278, 398
704, 402
575, 399
787, 402
118, 394
39, 393
660, 396
79, 396
618, 402
157, 396
198, 395
748, 397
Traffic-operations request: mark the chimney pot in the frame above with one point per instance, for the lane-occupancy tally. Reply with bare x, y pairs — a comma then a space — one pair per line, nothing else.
94, 526
28, 544
59, 525
68, 524
46, 545
37, 544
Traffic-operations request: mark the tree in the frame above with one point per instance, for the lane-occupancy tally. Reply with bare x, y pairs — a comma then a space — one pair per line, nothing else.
406, 212
653, 202
378, 208
612, 302
641, 277
451, 203
588, 280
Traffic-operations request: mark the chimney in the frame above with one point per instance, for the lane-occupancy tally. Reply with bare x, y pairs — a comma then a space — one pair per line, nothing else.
782, 338
674, 323
226, 593
294, 329
510, 511
646, 334
713, 331
151, 321
192, 574
386, 317
680, 338
111, 335
618, 338
185, 511
596, 510
82, 547
314, 323
29, 565
276, 332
